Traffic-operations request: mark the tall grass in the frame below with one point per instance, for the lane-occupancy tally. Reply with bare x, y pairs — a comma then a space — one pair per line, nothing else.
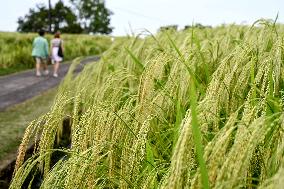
15, 49
193, 109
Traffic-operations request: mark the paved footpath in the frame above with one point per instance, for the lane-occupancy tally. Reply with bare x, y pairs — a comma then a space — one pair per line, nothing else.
18, 87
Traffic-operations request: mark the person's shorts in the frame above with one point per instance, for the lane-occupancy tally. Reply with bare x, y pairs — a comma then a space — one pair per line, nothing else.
40, 60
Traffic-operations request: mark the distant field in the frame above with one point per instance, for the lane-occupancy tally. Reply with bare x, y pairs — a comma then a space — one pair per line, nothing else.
15, 49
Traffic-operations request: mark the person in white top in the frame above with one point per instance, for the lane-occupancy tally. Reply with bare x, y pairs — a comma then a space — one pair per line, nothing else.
56, 49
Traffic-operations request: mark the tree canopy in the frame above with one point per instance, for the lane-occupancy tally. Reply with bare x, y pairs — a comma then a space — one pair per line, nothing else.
92, 17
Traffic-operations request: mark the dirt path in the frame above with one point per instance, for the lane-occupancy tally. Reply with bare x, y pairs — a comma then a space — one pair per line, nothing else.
17, 88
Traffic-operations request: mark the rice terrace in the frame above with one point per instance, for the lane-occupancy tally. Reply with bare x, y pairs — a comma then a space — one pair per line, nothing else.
198, 107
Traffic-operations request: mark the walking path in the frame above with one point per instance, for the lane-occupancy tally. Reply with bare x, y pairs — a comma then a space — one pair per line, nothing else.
17, 88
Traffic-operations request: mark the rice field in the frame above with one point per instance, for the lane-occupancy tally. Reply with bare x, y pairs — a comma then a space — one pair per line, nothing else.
16, 48
200, 108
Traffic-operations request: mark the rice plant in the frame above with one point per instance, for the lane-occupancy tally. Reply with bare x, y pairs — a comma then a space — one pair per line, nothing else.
201, 108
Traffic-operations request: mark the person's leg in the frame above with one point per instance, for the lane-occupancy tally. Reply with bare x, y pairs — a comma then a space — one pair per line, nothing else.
56, 67
38, 61
44, 65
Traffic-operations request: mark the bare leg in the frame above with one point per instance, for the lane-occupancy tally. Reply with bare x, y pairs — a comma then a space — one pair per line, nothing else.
38, 67
56, 67
44, 66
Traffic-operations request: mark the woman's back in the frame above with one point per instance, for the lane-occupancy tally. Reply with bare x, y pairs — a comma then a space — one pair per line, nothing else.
56, 42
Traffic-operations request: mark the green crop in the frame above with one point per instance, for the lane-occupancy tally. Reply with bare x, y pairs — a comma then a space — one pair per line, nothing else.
201, 108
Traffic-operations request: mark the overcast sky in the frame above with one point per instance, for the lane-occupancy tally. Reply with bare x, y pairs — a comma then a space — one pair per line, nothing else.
151, 14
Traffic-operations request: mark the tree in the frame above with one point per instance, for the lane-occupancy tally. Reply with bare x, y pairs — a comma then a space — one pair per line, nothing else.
35, 20
169, 27
62, 16
94, 16
64, 19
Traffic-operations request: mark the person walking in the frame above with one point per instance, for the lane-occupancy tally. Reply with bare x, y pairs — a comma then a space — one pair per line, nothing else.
56, 49
40, 53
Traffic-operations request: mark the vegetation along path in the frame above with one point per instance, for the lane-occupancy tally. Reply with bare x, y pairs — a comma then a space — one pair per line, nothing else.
19, 87
37, 94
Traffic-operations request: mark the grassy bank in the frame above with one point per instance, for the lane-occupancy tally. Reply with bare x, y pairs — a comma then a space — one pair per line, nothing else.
14, 121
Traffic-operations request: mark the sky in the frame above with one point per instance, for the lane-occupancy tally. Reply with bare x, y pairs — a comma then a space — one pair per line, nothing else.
137, 15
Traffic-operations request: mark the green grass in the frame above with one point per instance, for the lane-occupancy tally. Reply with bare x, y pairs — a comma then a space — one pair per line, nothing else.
14, 120
12, 69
